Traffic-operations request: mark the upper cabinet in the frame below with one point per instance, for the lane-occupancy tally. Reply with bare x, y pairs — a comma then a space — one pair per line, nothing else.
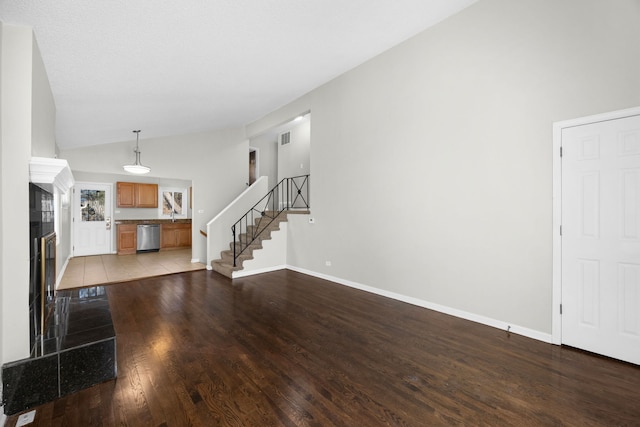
146, 195
137, 195
126, 195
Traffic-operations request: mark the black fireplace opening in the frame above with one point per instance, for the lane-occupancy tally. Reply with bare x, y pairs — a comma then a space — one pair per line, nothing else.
42, 261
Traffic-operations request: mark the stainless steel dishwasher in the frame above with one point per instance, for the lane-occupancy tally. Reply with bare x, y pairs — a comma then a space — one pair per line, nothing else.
148, 238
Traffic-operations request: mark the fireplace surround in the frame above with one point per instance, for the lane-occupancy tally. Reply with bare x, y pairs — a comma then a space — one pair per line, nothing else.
77, 350
73, 343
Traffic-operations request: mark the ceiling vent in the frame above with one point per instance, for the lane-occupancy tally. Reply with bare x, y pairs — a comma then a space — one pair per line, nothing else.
284, 138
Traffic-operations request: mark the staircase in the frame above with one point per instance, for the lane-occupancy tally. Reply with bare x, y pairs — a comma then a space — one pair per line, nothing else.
225, 266
291, 195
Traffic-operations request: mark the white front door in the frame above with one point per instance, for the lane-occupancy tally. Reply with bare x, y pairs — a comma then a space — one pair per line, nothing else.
92, 219
601, 237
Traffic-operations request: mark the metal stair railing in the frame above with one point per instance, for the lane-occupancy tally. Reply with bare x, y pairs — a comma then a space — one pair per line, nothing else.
290, 193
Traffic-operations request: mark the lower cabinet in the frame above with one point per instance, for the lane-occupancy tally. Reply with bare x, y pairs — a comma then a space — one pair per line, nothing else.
127, 239
175, 235
172, 235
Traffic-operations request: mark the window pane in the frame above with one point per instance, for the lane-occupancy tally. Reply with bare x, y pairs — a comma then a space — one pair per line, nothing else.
177, 202
92, 205
167, 202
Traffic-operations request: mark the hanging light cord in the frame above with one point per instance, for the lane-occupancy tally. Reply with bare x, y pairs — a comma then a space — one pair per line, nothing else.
137, 167
137, 151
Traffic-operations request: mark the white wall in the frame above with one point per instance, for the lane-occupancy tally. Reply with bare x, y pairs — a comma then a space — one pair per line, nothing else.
272, 256
219, 229
2, 204
277, 161
43, 109
267, 145
27, 128
294, 158
15, 147
43, 144
63, 237
432, 163
216, 163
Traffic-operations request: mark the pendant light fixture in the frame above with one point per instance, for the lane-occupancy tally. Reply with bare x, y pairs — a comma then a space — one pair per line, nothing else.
137, 167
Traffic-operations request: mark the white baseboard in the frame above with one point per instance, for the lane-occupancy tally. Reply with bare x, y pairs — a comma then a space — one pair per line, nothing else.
241, 273
194, 260
516, 329
60, 274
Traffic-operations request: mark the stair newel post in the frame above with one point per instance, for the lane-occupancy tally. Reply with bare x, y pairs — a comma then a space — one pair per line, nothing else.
233, 230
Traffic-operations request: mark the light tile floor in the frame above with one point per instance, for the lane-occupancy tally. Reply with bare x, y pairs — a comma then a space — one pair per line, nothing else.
101, 269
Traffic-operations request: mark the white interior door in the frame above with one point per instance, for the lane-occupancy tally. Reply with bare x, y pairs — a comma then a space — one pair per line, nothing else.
601, 238
92, 219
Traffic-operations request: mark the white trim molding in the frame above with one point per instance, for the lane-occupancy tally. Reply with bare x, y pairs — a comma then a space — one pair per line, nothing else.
61, 274
558, 127
498, 324
51, 173
240, 273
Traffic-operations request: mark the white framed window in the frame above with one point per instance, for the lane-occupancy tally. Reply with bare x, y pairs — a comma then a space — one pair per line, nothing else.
174, 202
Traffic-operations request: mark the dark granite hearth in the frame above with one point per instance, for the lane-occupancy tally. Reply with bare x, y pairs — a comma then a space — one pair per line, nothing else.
77, 351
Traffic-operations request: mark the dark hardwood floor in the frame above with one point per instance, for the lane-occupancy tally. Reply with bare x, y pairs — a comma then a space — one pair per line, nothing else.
285, 349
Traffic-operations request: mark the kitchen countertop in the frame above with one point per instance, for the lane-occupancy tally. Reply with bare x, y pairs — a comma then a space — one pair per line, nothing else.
153, 221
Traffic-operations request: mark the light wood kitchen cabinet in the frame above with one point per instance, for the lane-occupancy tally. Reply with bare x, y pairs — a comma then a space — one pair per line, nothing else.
146, 195
127, 239
137, 195
126, 195
175, 235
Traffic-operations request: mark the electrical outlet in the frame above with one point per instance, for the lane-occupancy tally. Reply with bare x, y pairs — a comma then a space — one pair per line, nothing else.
327, 263
26, 418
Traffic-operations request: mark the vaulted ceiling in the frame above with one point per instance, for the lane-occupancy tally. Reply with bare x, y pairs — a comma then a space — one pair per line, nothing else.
172, 67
